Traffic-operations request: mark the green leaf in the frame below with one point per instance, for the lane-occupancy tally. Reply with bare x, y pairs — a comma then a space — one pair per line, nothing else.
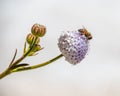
21, 65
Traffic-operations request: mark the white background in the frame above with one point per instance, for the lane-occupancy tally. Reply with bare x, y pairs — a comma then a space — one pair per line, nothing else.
97, 75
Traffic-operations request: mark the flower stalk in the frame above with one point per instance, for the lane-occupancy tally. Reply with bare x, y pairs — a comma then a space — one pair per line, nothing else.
33, 40
9, 70
37, 65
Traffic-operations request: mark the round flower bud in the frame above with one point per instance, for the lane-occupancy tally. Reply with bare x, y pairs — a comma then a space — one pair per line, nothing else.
38, 30
73, 45
30, 38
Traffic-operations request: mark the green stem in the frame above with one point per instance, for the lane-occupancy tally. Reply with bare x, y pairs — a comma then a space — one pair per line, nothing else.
9, 71
37, 65
5, 73
25, 54
11, 66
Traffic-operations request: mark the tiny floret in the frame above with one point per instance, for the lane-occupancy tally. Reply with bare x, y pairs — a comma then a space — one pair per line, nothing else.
73, 45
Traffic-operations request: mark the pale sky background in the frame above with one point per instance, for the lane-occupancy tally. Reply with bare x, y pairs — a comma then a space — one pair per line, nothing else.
97, 75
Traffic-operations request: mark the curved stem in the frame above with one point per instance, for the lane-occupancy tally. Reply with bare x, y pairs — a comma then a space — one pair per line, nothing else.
9, 71
37, 65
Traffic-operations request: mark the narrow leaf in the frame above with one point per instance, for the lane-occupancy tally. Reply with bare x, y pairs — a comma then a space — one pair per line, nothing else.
13, 58
24, 48
21, 65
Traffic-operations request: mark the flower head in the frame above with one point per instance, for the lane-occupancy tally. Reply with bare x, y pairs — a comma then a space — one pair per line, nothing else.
73, 45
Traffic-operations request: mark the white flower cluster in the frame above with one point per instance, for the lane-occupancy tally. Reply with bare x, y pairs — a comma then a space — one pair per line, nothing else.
73, 46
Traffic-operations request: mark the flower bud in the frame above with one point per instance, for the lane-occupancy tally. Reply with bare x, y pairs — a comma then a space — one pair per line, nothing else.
36, 48
38, 30
30, 38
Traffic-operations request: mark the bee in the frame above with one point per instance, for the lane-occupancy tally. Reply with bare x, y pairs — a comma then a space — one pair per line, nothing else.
85, 32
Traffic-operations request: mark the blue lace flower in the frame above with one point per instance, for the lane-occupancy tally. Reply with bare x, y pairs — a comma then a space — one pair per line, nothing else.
73, 45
